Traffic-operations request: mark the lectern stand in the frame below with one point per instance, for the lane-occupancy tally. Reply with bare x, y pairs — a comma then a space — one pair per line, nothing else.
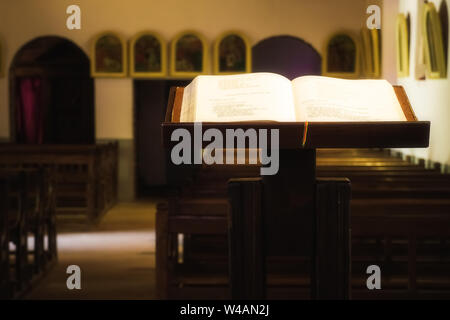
292, 213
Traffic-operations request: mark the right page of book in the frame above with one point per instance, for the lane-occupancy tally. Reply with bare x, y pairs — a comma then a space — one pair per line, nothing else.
322, 99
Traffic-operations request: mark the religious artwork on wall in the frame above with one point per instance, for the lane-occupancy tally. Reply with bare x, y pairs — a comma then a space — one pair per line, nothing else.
341, 56
147, 55
433, 44
108, 56
371, 52
188, 55
402, 46
366, 53
232, 53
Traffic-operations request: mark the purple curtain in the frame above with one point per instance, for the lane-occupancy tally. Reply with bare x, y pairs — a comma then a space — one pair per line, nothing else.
30, 111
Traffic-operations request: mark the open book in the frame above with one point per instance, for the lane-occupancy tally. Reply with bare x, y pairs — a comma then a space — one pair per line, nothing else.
272, 97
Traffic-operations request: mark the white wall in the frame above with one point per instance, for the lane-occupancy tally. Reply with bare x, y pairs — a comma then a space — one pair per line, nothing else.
429, 98
23, 20
389, 16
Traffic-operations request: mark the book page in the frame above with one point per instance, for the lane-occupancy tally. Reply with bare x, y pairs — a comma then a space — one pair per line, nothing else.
331, 99
187, 112
243, 97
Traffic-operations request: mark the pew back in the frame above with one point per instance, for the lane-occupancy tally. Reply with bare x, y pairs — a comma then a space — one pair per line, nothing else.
85, 175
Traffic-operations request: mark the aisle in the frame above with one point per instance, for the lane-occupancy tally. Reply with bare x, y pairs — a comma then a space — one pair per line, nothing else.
117, 258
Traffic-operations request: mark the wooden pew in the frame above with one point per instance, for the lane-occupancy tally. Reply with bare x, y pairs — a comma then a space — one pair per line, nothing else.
411, 250
17, 209
399, 222
86, 175
28, 210
380, 182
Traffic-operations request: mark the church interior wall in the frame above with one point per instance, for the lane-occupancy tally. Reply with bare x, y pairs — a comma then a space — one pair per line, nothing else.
430, 98
258, 19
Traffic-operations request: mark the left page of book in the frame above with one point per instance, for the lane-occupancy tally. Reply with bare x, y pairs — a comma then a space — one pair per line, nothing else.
243, 97
187, 112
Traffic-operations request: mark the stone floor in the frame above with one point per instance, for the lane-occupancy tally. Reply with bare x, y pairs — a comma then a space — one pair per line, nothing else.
116, 258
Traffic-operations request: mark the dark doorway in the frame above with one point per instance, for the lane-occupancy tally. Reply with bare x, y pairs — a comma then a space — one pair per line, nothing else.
154, 170
51, 93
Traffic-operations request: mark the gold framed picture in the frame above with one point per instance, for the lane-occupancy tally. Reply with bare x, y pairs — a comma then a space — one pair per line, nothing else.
402, 46
367, 60
108, 55
376, 47
341, 56
148, 58
188, 55
232, 53
433, 45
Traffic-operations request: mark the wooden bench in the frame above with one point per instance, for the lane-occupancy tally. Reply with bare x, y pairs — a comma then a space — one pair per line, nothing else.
380, 183
86, 175
400, 214
27, 211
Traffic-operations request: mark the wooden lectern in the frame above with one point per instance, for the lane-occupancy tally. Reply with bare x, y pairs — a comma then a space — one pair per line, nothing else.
292, 213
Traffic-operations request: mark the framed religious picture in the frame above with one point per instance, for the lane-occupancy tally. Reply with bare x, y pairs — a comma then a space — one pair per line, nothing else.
376, 47
341, 56
147, 55
367, 61
188, 55
232, 53
402, 46
433, 44
109, 56
371, 52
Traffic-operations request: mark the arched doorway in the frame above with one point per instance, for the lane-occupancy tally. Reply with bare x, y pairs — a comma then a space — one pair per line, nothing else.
51, 93
286, 55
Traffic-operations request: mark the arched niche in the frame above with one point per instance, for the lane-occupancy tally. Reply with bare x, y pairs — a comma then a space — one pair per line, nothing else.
341, 56
402, 45
51, 93
371, 52
443, 16
286, 55
232, 53
433, 43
